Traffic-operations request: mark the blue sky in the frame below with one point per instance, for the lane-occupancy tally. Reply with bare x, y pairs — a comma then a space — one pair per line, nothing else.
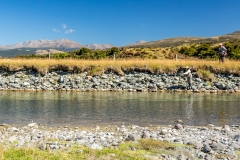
116, 22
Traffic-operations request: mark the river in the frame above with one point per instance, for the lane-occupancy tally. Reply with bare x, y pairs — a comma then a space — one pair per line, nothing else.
110, 108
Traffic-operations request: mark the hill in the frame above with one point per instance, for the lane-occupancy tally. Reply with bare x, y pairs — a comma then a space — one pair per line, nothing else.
174, 42
14, 52
29, 51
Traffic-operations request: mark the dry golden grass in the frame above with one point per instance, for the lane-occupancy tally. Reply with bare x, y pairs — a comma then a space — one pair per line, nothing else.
133, 62
155, 66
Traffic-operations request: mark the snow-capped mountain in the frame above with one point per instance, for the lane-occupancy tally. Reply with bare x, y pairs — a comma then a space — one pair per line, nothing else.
138, 42
54, 44
60, 43
98, 46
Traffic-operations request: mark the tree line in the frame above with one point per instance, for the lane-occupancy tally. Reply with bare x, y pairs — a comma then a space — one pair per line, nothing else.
201, 50
82, 53
210, 51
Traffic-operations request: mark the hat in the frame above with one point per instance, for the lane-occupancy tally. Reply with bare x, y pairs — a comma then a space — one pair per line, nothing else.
186, 67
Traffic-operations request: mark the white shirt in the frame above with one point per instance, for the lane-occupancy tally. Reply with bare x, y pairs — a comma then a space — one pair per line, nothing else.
187, 72
222, 50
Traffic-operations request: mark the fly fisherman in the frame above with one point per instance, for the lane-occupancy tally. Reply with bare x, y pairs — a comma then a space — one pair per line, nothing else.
222, 53
188, 74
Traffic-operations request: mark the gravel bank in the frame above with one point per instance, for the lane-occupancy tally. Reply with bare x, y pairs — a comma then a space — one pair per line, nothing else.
132, 82
204, 142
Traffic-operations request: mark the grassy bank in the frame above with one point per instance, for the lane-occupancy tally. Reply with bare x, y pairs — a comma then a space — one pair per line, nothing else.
119, 66
129, 150
143, 149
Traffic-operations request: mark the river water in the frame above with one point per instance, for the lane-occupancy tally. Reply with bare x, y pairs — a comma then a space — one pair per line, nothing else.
109, 108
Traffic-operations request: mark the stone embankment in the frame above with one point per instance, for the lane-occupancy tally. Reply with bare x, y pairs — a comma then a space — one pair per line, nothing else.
136, 81
207, 142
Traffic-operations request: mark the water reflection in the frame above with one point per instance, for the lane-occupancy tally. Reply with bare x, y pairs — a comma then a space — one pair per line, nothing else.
91, 108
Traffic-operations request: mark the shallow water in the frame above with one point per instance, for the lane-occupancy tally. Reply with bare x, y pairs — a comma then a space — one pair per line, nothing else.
101, 108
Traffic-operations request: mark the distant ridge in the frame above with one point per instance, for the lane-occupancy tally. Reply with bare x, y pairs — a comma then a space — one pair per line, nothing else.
173, 42
137, 43
99, 46
236, 33
41, 47
56, 44
61, 44
48, 51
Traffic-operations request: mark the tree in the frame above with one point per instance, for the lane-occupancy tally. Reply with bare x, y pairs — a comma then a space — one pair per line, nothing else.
83, 51
99, 54
114, 50
188, 51
204, 51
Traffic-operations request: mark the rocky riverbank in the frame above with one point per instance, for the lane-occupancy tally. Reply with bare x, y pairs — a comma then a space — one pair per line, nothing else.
134, 81
205, 142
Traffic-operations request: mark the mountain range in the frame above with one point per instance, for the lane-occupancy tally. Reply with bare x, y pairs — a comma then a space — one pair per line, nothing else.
62, 44
41, 47
178, 41
46, 47
65, 45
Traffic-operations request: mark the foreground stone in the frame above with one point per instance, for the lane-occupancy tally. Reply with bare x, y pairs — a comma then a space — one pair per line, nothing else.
204, 142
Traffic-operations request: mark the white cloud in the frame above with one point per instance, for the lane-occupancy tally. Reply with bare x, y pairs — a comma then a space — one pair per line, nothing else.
64, 26
69, 31
55, 30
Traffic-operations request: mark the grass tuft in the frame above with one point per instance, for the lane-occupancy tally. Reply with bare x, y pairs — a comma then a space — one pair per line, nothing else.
205, 75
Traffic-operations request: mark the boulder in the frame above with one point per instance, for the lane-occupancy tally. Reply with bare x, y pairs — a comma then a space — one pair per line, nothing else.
25, 84
220, 85
163, 131
206, 148
42, 146
146, 135
133, 137
226, 128
33, 125
178, 126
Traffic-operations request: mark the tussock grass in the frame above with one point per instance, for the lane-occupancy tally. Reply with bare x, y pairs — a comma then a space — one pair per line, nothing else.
123, 151
136, 150
153, 66
150, 144
72, 154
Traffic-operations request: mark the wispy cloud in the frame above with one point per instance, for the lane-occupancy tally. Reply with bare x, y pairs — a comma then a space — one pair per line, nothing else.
69, 31
64, 26
55, 30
